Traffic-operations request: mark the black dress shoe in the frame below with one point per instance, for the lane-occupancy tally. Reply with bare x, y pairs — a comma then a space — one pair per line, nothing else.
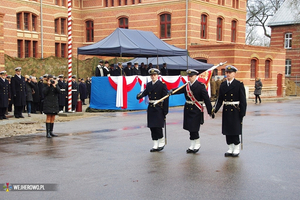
189, 151
160, 148
53, 135
17, 117
153, 150
195, 150
228, 154
235, 155
4, 117
21, 116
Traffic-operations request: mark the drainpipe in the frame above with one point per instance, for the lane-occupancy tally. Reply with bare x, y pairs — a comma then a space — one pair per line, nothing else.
186, 29
186, 22
42, 45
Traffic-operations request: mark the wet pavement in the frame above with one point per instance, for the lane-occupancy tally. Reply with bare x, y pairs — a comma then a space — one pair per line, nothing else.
107, 157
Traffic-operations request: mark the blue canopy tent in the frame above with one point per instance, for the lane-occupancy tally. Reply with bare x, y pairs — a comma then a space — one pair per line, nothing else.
131, 43
174, 62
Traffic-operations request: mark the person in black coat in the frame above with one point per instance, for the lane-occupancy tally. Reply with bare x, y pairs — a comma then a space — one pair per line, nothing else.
29, 90
41, 86
164, 70
51, 108
128, 69
156, 113
18, 92
9, 109
74, 93
258, 87
195, 94
88, 86
144, 69
4, 88
136, 70
232, 93
102, 70
119, 71
35, 95
63, 93
82, 91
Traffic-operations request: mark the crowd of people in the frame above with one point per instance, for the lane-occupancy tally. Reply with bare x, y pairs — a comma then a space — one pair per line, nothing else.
141, 70
26, 93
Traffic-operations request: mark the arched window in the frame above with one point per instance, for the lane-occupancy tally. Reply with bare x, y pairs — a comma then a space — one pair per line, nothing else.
89, 27
268, 68
123, 22
219, 28
233, 31
60, 26
203, 33
27, 47
26, 21
165, 26
253, 68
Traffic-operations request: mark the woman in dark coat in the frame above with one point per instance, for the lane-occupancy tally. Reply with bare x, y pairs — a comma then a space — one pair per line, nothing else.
257, 91
29, 90
82, 91
50, 91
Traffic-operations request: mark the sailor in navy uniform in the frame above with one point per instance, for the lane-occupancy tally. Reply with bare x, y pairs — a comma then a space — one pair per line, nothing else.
156, 114
63, 95
74, 93
119, 71
232, 93
164, 70
4, 88
195, 94
128, 69
136, 70
18, 92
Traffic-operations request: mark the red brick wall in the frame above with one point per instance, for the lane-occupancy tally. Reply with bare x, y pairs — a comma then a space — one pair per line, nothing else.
277, 40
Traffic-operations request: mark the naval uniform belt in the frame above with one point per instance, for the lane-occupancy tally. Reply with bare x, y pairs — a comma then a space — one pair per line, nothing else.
191, 102
62, 90
231, 102
153, 101
74, 90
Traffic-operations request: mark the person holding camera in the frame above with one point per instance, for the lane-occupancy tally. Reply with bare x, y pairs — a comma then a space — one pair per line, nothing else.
51, 108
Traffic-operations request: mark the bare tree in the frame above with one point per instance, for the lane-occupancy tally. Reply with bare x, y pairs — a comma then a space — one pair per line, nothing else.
258, 14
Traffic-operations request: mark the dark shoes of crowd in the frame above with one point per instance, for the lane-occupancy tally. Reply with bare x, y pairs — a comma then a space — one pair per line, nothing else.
3, 117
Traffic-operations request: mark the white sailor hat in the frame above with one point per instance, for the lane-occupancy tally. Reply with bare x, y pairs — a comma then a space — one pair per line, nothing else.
3, 72
230, 68
136, 63
191, 72
60, 76
153, 71
74, 76
45, 75
18, 69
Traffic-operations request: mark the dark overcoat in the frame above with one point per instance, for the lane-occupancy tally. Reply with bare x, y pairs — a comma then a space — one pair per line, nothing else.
18, 90
164, 71
36, 95
4, 89
63, 92
192, 116
232, 116
29, 88
74, 93
136, 71
156, 114
118, 72
128, 71
82, 90
258, 87
51, 99
41, 86
88, 86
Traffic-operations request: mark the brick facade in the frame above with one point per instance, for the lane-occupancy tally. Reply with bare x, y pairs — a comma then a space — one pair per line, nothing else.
146, 16
1, 42
293, 53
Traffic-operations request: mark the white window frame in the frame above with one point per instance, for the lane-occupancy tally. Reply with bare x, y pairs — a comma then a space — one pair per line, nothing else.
288, 67
288, 41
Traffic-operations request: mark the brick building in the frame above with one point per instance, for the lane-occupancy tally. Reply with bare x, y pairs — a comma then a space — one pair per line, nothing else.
286, 34
213, 31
